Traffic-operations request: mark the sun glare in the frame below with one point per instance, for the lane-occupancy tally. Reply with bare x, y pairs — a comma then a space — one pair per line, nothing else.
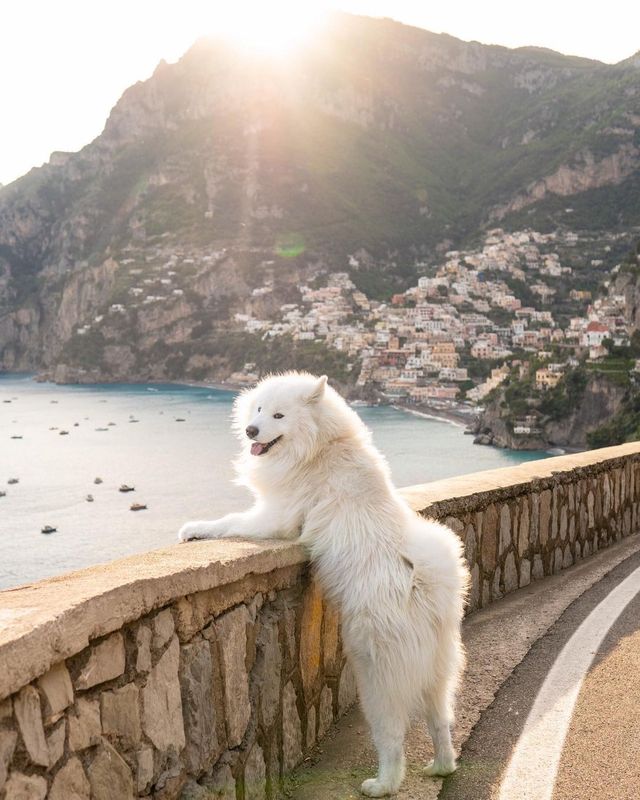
273, 27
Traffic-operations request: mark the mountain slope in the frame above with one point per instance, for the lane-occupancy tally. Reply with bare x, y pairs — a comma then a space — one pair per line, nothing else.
379, 138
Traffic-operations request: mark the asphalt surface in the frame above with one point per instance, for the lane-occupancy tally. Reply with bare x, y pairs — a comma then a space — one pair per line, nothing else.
511, 646
600, 758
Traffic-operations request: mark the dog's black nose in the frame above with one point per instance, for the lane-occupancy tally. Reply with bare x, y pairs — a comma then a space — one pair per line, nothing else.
251, 431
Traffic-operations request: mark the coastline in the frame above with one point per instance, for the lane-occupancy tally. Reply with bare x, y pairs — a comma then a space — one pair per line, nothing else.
452, 416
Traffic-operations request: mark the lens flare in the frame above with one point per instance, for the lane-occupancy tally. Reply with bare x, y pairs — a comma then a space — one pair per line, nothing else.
289, 245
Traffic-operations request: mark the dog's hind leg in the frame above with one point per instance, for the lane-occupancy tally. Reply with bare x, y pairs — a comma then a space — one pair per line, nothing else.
439, 718
388, 728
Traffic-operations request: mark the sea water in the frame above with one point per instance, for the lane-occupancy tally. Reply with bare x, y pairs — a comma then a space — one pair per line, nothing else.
173, 444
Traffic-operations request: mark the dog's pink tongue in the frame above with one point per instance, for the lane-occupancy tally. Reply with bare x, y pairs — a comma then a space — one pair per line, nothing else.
256, 448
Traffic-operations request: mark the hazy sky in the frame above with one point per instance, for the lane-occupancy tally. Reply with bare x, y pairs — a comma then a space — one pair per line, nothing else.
64, 63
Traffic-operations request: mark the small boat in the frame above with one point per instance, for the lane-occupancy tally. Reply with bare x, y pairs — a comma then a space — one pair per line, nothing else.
134, 420
48, 529
89, 498
102, 429
125, 488
63, 433
180, 419
16, 437
53, 428
111, 424
11, 481
97, 480
2, 493
76, 424
137, 507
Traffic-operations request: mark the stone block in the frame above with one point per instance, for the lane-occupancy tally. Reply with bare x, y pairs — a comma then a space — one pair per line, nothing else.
310, 638
110, 776
70, 783
331, 640
489, 542
143, 649
163, 629
106, 661
347, 689
84, 724
496, 592
567, 559
290, 633
8, 741
231, 632
6, 709
198, 706
538, 567
486, 592
557, 560
325, 713
120, 712
25, 787
269, 672
470, 545
162, 704
474, 588
510, 573
311, 728
455, 524
255, 775
55, 742
194, 791
222, 784
591, 520
29, 715
144, 774
523, 528
57, 690
525, 572
291, 729
564, 526
505, 529
545, 516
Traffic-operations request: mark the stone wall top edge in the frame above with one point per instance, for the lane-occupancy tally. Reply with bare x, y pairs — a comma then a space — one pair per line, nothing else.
476, 490
45, 622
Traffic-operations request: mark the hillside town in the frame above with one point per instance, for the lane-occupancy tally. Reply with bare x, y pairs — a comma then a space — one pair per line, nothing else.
458, 333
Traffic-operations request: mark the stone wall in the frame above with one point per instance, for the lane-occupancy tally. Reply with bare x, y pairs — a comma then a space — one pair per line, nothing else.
210, 669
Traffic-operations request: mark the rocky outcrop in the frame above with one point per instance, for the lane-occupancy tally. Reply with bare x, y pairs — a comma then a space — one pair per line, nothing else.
584, 174
601, 400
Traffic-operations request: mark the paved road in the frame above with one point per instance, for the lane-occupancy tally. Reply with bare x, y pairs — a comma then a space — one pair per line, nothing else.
511, 647
566, 724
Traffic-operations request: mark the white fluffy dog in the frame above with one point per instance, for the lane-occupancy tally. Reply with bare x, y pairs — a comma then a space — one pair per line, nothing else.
398, 579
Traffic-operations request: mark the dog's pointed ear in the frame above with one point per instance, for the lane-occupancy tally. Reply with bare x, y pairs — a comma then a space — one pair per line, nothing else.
317, 391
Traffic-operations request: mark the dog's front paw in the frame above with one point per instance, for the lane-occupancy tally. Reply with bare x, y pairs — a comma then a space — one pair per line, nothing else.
191, 531
373, 787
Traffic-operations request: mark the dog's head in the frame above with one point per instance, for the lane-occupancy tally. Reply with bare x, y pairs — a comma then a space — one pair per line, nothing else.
290, 416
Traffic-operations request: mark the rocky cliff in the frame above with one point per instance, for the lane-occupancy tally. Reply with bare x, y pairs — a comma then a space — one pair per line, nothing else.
600, 400
225, 180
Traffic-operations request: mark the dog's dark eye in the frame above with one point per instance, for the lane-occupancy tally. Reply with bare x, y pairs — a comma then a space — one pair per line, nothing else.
259, 409
278, 415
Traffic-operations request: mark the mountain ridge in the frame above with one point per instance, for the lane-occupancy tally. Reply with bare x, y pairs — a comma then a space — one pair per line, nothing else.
380, 138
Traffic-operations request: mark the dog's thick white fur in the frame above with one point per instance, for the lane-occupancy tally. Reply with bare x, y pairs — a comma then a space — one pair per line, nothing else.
398, 579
